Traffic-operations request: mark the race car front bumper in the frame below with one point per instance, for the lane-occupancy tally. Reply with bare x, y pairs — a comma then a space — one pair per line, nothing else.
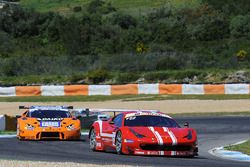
165, 149
50, 133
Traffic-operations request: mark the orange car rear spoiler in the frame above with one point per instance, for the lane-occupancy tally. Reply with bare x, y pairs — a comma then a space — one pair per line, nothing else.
33, 107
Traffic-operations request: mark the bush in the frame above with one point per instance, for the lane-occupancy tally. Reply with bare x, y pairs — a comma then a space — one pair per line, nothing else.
98, 76
188, 74
99, 6
76, 77
240, 26
167, 63
77, 9
95, 5
156, 76
124, 20
208, 24
230, 7
6, 44
124, 78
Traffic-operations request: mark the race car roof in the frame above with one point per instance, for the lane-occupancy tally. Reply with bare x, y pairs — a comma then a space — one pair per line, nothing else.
145, 113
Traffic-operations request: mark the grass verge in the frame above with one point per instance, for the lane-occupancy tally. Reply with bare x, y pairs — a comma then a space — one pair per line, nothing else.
66, 98
7, 132
121, 97
189, 97
244, 147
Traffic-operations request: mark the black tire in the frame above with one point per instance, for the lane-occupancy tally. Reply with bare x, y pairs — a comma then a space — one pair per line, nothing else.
92, 140
118, 142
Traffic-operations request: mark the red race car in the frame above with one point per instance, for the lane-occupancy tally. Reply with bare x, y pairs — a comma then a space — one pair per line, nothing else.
145, 132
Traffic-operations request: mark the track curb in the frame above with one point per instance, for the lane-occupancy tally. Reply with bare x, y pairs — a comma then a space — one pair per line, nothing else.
230, 155
7, 136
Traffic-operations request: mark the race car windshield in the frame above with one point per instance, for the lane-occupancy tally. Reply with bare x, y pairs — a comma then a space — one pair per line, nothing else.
156, 121
49, 114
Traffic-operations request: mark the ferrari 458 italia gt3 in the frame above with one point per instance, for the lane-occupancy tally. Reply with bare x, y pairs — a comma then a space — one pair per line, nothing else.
143, 133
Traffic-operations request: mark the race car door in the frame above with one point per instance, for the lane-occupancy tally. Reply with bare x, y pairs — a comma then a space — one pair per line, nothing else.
111, 129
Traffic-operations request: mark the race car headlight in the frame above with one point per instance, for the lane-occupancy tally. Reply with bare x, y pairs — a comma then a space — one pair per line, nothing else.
29, 127
70, 127
128, 141
136, 134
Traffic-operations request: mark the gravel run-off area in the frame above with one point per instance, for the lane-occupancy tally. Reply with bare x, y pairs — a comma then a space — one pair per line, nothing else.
167, 106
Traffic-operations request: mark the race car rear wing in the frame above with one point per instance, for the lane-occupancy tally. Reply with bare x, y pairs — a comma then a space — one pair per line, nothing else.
46, 107
87, 110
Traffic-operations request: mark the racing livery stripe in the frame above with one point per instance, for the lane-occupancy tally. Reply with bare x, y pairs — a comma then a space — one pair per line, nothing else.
157, 135
161, 152
104, 134
100, 126
173, 153
173, 137
152, 130
171, 134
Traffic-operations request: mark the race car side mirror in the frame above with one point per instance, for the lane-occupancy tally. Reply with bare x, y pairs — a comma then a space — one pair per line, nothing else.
186, 124
18, 116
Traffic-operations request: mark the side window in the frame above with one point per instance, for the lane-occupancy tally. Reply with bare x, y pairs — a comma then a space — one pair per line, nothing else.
118, 120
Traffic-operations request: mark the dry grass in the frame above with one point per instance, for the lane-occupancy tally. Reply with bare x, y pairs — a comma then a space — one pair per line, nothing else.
14, 163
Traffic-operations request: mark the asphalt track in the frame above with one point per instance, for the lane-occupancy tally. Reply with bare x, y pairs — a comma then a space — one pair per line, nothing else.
212, 132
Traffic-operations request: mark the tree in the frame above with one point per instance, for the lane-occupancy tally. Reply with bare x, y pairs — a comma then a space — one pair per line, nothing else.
125, 21
208, 24
240, 26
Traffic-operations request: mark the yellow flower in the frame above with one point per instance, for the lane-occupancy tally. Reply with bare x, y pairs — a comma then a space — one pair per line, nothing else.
241, 55
140, 48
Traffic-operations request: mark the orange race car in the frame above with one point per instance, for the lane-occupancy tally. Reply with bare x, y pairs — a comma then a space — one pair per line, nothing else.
47, 122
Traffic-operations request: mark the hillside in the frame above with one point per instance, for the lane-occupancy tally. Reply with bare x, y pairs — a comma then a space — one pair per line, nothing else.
123, 41
128, 6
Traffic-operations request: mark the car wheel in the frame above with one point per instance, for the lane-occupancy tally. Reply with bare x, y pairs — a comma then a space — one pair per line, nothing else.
92, 140
118, 142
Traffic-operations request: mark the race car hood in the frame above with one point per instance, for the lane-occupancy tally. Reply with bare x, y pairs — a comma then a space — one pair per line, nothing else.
49, 119
178, 133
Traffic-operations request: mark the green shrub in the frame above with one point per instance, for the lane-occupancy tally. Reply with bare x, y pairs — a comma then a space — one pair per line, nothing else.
230, 7
124, 78
240, 26
167, 63
77, 9
76, 77
156, 76
99, 6
124, 20
98, 76
187, 74
208, 24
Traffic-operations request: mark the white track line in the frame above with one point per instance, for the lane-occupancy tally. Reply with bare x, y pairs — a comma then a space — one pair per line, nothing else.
7, 136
